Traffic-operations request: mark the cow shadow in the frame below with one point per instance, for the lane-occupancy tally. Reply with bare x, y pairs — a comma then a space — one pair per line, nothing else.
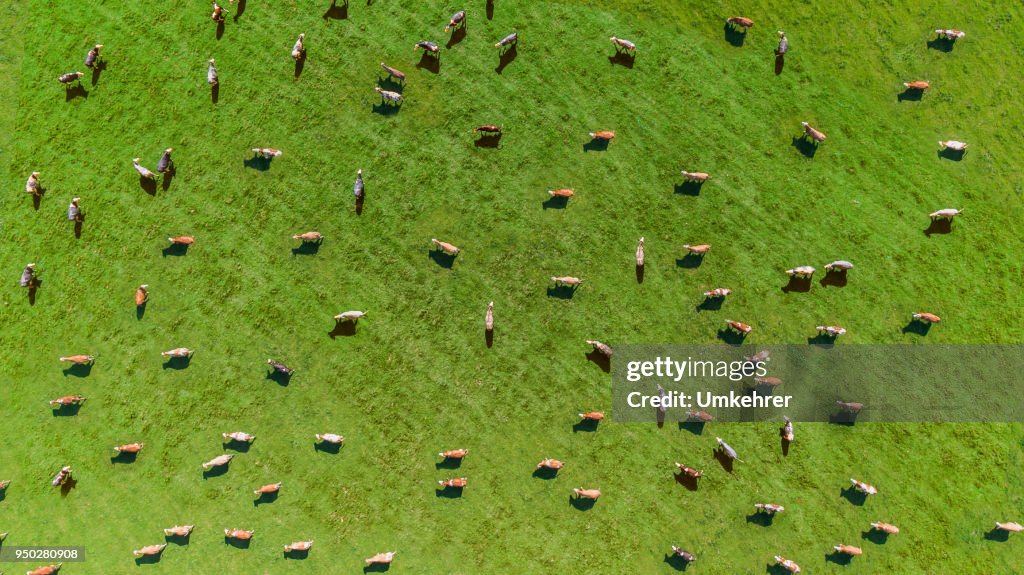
448, 463
299, 554
910, 94
68, 486
545, 473
489, 8
941, 44
506, 58
734, 36
458, 35
586, 426
823, 340
148, 559
838, 558
834, 278
237, 543
917, 327
67, 410
596, 145
77, 91
430, 62
220, 29
676, 562
78, 226
688, 188
853, 496
694, 427
359, 205
140, 310
97, 70
488, 141
690, 483
797, 284
805, 146
169, 177
124, 457
387, 109
448, 492
442, 259
776, 569
327, 447
78, 370
600, 360
639, 272
555, 203
259, 163
690, 261
843, 417
265, 498
723, 459
951, 154
996, 534
37, 199
306, 249
280, 378
216, 471
343, 328
239, 10
780, 63
562, 292
710, 304
147, 185
239, 446
389, 83
731, 337
178, 363
300, 65
177, 539
581, 503
624, 59
939, 226
377, 568
33, 287
215, 93
762, 519
785, 443
875, 536
489, 337
336, 12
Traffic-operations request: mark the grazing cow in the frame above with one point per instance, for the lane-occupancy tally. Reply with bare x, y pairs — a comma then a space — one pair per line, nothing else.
181, 240
699, 177
640, 253
887, 528
567, 281
601, 347
178, 352
280, 367
605, 135
218, 461
309, 237
454, 483
267, 152
211, 74
950, 34
129, 448
240, 534
865, 488
239, 436
298, 546
739, 327
428, 46
67, 400
142, 170
299, 49
816, 135
93, 56
717, 293
787, 429
381, 558
332, 438
768, 381
28, 276
218, 13
850, 406
769, 508
838, 266
32, 184
3, 485
697, 250
916, 85
268, 489
149, 550
549, 463
727, 449
445, 247
945, 214
458, 20
45, 569
489, 317
591, 494
925, 317
759, 357
684, 554
831, 330
954, 145
562, 193
393, 72
69, 78
74, 211
1010, 527
787, 564
62, 476
79, 359
699, 416
740, 22
848, 549
592, 416
511, 39
352, 316
689, 471
621, 44
388, 96
165, 162
488, 129
179, 531
357, 187
801, 272
453, 453
783, 44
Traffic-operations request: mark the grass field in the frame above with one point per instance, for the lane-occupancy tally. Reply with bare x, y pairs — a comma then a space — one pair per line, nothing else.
417, 376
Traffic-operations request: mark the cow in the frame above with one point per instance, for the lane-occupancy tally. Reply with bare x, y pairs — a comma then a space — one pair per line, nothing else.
219, 461
783, 45
592, 416
352, 316
218, 14
801, 271
93, 56
28, 276
699, 416
548, 463
787, 564
280, 367
955, 145
453, 453
332, 438
769, 508
62, 476
142, 170
510, 40
141, 295
309, 237
570, 281
945, 214
357, 187
181, 240
684, 554
489, 318
454, 483
388, 96
689, 471
79, 359
1010, 527
298, 546
787, 429
740, 22
838, 266
887, 528
759, 357
738, 327
381, 558
3, 485
621, 44
267, 152
299, 49
445, 247
640, 253
562, 193
591, 494
428, 47
393, 72
600, 347
129, 448
67, 400
603, 135
240, 534
211, 73
817, 136
727, 449
488, 129
149, 550
717, 293
179, 531
70, 78
950, 34
850, 406
697, 250
239, 436
32, 184
165, 162
74, 211
458, 20
768, 381
865, 488
925, 317
699, 177
832, 331
919, 85
848, 549
268, 489
178, 352
45, 569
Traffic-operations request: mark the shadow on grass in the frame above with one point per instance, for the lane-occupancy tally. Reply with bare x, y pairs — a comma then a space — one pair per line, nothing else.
390, 84
178, 362
448, 492
279, 377
875, 536
124, 457
67, 410
917, 327
237, 543
581, 503
910, 94
239, 9
97, 70
942, 44
600, 360
490, 9
343, 328
555, 203
688, 188
847, 418
78, 91
175, 250
690, 261
776, 569
780, 63
220, 29
335, 12
239, 446
140, 310
78, 370
215, 93
377, 568
148, 559
724, 460
735, 36
834, 278
545, 473
325, 447
586, 425
448, 463
359, 205
506, 58
259, 163
442, 259
299, 554
996, 534
690, 483
941, 227
216, 471
169, 177
731, 337
265, 498
488, 141
838, 558
489, 337
179, 540
562, 292
300, 65
37, 199
458, 35
596, 145
639, 273
387, 109
147, 185
853, 496
306, 249
33, 287
694, 427
762, 519
710, 304
799, 285
68, 486
430, 62
822, 339
805, 146
623, 59
676, 562
951, 154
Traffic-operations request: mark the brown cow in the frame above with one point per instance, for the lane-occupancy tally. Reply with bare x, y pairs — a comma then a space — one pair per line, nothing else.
605, 135
268, 489
298, 546
141, 294
739, 327
129, 448
592, 416
455, 482
925, 317
562, 193
740, 22
240, 534
453, 453
601, 347
689, 471
79, 359
698, 250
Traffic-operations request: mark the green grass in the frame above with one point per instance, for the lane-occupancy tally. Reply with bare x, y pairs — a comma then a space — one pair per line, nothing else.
417, 377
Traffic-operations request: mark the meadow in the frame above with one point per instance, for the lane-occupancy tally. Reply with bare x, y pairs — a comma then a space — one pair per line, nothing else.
417, 376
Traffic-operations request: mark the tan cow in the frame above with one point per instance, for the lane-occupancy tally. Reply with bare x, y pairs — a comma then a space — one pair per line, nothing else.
453, 453
592, 416
129, 448
787, 564
945, 214
769, 508
549, 463
817, 135
698, 250
309, 237
717, 293
954, 145
925, 317
240, 534
32, 184
591, 494
740, 21
332, 438
831, 330
179, 531
454, 483
352, 316
298, 546
79, 359
601, 347
489, 317
916, 85
381, 558
1010, 527
562, 193
268, 489
178, 352
218, 461
640, 253
887, 528
149, 550
699, 177
181, 240
623, 44
445, 247
865, 488
848, 549
67, 400
239, 436
801, 271
566, 281
739, 326
606, 135
45, 569
299, 49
